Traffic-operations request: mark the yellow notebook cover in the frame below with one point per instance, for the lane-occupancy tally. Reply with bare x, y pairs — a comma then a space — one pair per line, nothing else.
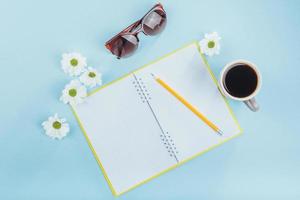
138, 131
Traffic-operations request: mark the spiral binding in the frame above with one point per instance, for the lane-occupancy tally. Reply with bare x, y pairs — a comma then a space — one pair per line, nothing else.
141, 89
165, 137
169, 144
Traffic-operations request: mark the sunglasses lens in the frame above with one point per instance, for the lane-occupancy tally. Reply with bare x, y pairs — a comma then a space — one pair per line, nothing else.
123, 46
154, 22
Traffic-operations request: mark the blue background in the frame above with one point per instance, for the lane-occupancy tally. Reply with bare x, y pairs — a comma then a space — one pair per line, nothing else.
264, 163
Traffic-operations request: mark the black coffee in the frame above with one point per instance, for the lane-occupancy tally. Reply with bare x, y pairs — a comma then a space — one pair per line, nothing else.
241, 81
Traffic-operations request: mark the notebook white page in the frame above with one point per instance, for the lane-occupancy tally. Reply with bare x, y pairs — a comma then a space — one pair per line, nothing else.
138, 129
124, 134
187, 74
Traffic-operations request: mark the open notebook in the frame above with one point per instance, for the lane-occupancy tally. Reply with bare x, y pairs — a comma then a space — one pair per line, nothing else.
137, 130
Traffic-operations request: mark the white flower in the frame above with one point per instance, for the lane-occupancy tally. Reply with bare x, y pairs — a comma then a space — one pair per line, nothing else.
56, 127
210, 44
74, 93
73, 63
91, 77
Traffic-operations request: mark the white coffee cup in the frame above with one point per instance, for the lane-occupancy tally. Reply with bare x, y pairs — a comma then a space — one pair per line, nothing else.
248, 99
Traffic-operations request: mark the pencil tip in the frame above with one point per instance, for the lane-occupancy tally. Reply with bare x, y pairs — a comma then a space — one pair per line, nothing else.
153, 75
220, 132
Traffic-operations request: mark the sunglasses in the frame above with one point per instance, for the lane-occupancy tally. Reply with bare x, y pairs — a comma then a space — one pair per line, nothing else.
126, 42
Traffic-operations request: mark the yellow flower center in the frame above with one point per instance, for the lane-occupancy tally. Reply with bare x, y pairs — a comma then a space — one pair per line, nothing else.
56, 125
211, 44
92, 74
73, 92
74, 62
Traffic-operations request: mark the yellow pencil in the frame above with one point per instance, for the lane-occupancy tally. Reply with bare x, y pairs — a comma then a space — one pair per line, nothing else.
187, 104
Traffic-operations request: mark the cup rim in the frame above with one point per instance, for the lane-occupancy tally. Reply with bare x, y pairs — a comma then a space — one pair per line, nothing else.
228, 67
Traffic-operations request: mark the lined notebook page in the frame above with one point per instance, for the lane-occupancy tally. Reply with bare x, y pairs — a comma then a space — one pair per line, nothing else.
138, 129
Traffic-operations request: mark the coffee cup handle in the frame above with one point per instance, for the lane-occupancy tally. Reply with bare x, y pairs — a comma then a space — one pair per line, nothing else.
252, 104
